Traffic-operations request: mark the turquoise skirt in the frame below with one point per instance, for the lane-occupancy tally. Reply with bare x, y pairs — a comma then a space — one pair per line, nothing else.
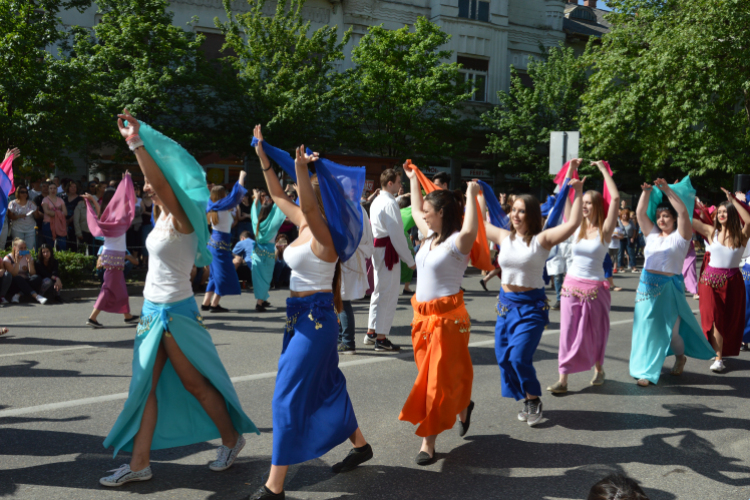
182, 420
659, 300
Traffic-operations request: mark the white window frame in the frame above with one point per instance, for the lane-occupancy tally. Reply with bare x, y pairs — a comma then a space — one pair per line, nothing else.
471, 74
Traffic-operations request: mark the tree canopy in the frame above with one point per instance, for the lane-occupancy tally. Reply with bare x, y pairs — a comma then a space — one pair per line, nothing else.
671, 85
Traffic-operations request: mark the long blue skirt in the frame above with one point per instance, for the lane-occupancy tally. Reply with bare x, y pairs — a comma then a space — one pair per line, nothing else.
521, 318
659, 300
264, 260
746, 276
182, 420
312, 412
223, 279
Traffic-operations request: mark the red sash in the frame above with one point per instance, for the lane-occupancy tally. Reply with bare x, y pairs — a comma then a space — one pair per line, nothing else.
391, 255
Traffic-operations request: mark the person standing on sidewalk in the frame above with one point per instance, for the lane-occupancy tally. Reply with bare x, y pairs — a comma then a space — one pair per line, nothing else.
390, 248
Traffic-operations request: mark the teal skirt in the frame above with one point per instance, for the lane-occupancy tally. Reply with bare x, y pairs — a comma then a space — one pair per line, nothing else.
659, 300
182, 420
264, 258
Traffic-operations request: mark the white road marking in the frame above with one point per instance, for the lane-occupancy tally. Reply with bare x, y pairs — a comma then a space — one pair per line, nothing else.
47, 350
244, 378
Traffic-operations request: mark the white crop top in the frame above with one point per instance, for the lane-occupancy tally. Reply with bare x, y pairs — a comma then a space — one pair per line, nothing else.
117, 244
522, 265
724, 257
440, 269
225, 221
309, 273
171, 256
588, 259
665, 254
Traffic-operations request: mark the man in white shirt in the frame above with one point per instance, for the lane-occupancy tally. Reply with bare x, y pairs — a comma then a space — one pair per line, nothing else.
390, 249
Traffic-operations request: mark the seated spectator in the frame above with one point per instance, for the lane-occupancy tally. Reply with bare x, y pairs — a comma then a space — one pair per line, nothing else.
6, 279
21, 267
616, 486
243, 256
199, 279
47, 268
281, 270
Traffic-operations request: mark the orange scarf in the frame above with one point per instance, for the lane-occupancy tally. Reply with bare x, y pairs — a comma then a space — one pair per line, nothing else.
480, 251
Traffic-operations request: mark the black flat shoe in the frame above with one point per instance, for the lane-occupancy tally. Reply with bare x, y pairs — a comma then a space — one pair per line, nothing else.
484, 285
260, 308
355, 458
265, 494
218, 309
465, 425
205, 308
408, 292
266, 304
424, 458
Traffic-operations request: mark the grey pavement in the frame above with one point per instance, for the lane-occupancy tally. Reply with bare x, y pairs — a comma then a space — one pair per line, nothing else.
62, 386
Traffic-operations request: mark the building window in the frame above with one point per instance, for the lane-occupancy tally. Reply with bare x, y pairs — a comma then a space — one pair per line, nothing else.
474, 9
475, 71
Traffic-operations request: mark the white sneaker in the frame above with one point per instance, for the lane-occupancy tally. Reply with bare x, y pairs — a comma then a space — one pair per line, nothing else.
41, 300
225, 456
16, 298
125, 475
718, 366
370, 341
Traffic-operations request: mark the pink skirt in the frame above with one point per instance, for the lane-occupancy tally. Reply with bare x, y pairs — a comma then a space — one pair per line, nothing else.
584, 324
113, 297
688, 270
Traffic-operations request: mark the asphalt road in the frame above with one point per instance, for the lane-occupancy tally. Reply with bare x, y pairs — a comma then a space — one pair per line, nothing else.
62, 386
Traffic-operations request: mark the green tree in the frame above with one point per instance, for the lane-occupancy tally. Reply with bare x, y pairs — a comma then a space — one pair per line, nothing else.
283, 74
522, 122
138, 59
401, 98
40, 97
671, 85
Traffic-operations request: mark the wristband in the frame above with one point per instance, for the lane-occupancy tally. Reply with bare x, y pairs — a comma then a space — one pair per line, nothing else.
134, 142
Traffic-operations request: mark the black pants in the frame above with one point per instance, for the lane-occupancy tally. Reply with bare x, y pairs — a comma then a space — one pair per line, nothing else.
26, 286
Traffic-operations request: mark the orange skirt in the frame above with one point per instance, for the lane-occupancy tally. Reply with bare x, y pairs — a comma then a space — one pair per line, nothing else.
440, 336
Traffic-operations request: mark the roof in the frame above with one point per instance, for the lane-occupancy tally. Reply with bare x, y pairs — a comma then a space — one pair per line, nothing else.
586, 21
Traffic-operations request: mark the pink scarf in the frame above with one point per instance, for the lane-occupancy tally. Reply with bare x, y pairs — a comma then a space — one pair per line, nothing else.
606, 196
7, 167
117, 217
58, 224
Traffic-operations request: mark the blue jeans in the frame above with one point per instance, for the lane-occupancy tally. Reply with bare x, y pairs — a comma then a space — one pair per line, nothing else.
626, 246
62, 243
558, 280
346, 325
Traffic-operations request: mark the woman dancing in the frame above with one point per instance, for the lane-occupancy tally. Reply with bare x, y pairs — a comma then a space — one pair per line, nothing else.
663, 323
180, 393
223, 279
111, 221
721, 287
267, 219
312, 412
441, 325
585, 303
522, 310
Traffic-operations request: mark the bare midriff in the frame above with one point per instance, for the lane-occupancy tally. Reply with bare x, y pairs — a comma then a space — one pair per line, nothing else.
308, 293
516, 289
660, 272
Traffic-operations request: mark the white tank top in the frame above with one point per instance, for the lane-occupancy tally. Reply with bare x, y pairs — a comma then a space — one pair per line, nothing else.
309, 273
117, 244
171, 256
440, 270
724, 257
225, 221
588, 259
667, 254
522, 265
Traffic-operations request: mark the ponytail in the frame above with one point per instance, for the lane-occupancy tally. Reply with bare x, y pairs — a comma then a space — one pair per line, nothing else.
338, 304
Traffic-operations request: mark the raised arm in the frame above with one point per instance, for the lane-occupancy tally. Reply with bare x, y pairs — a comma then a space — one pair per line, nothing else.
742, 211
572, 168
153, 173
556, 235
417, 202
468, 233
700, 227
92, 199
277, 193
308, 205
641, 211
683, 218
610, 222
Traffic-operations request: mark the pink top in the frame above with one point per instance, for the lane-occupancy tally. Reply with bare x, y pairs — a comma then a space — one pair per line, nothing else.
48, 202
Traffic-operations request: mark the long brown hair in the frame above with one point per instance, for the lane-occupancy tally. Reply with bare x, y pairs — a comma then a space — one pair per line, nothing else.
338, 304
533, 217
217, 193
446, 201
597, 207
733, 226
265, 211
